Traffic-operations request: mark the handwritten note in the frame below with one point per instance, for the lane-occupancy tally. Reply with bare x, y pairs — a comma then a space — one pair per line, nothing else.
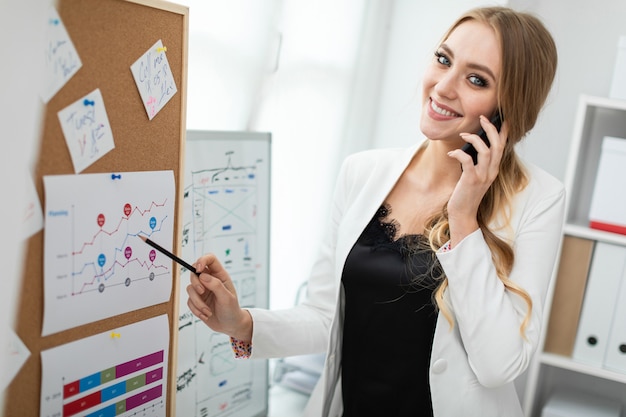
154, 79
86, 129
14, 355
32, 220
61, 61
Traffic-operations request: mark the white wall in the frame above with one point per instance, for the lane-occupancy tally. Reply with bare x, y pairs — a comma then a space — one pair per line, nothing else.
304, 71
22, 31
230, 44
586, 34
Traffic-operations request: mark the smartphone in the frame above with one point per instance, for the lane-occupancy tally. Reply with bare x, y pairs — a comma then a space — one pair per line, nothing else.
469, 148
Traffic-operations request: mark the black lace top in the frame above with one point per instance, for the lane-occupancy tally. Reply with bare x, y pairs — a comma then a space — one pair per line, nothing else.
389, 323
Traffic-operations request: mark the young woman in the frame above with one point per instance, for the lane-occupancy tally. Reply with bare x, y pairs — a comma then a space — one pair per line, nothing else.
428, 290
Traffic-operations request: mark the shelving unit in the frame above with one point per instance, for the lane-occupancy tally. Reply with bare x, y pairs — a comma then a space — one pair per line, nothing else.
596, 118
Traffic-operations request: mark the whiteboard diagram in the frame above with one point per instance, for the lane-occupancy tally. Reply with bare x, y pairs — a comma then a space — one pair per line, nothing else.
95, 264
226, 212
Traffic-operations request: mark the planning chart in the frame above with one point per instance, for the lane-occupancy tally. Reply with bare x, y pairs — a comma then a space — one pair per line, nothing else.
95, 264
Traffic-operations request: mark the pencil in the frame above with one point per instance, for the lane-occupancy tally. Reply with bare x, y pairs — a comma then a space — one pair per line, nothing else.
169, 254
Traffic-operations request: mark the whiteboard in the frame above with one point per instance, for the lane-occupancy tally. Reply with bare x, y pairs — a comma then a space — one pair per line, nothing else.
226, 212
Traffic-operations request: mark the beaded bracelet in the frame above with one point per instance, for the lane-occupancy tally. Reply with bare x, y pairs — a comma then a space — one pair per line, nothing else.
446, 247
242, 350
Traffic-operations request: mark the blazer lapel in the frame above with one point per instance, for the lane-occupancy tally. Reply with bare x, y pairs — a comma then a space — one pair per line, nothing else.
373, 194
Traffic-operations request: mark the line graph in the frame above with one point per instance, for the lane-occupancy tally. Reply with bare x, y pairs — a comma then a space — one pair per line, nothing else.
128, 212
95, 264
95, 268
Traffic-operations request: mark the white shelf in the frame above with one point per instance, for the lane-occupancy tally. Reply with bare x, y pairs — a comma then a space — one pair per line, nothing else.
571, 365
593, 234
604, 102
596, 118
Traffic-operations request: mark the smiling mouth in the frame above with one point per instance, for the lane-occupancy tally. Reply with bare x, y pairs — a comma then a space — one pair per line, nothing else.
442, 111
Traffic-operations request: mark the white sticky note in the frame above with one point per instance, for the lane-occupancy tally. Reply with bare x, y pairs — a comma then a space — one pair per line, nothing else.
61, 60
32, 222
154, 79
86, 129
14, 355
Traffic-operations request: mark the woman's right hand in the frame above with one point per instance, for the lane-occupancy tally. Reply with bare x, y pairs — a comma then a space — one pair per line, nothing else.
213, 299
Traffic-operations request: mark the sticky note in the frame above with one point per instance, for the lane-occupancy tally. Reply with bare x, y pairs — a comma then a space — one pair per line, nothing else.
154, 79
61, 60
86, 129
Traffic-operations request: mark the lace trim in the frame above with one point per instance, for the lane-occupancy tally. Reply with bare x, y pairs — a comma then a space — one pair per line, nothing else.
390, 226
382, 232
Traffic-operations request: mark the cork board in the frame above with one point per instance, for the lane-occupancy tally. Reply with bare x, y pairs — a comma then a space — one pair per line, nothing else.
109, 36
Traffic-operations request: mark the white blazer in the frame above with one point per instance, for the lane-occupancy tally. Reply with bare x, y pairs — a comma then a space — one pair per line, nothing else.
473, 364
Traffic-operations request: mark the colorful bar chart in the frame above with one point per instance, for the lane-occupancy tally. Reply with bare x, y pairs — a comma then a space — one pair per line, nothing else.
110, 374
117, 390
125, 377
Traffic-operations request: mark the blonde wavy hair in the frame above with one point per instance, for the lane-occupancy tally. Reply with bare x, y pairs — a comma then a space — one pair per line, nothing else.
529, 61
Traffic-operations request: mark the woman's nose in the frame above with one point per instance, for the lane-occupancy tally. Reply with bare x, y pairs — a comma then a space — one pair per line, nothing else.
446, 85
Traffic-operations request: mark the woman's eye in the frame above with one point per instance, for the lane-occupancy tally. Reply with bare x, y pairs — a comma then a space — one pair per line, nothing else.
442, 59
478, 81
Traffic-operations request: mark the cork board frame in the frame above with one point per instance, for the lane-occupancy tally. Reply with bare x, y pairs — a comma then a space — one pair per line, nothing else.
109, 36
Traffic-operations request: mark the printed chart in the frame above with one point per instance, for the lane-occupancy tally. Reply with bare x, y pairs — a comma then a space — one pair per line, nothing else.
226, 212
95, 264
127, 376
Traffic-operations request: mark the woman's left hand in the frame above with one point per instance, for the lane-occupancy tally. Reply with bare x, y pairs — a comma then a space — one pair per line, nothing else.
475, 179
